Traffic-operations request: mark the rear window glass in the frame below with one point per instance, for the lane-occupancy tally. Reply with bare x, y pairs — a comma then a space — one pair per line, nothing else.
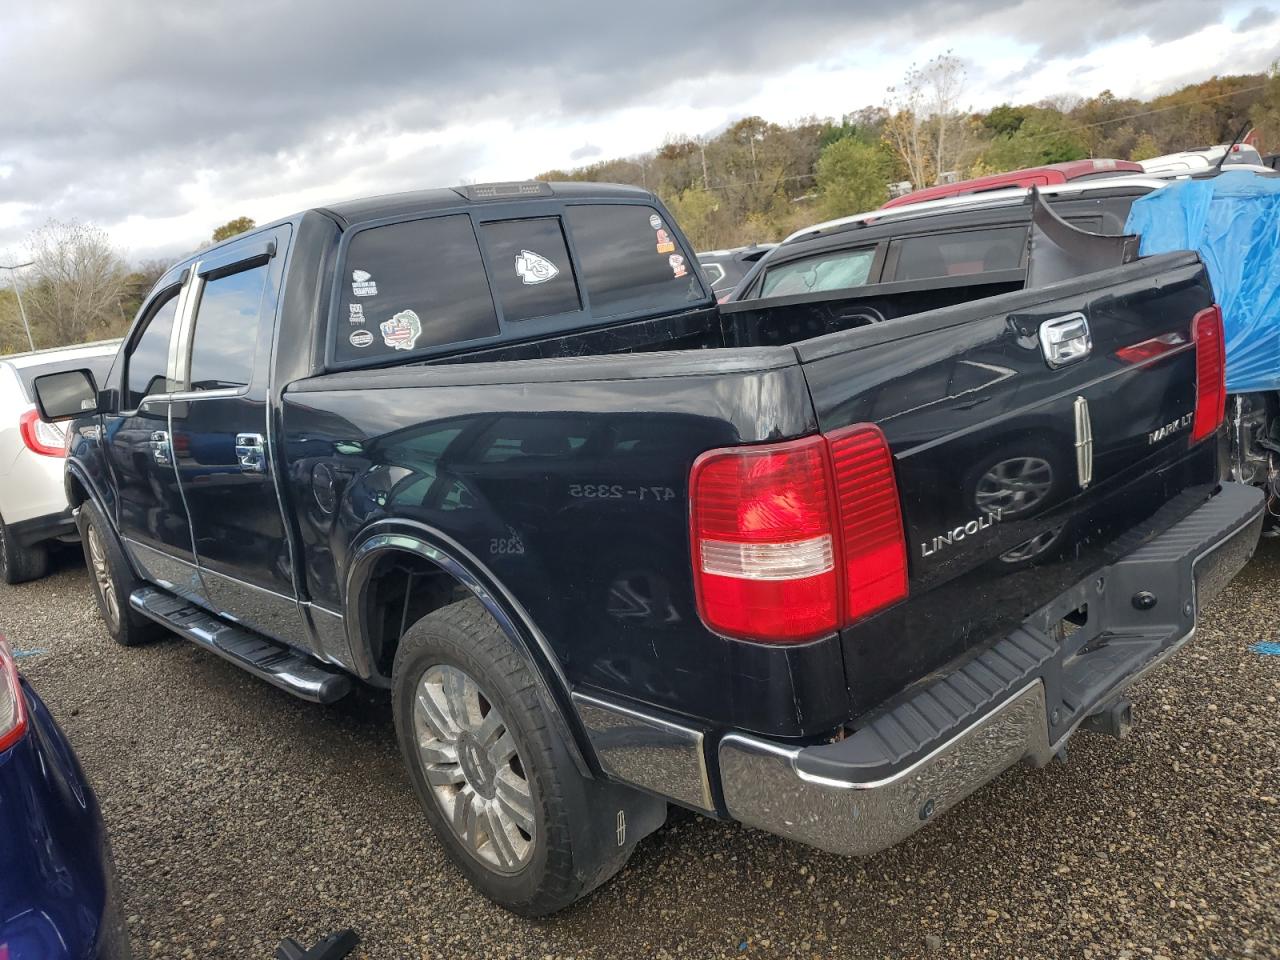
629, 261
959, 254
409, 287
531, 268
828, 271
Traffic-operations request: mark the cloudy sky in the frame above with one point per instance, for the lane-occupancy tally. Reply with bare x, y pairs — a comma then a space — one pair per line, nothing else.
161, 120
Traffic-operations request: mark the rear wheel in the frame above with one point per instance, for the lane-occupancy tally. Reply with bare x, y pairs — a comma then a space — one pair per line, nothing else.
19, 563
113, 581
492, 776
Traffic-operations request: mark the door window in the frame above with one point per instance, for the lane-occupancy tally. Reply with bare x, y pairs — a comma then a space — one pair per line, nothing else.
531, 270
226, 330
958, 254
148, 362
408, 287
829, 271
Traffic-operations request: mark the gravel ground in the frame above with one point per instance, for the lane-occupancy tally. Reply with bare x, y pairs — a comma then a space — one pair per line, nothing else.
240, 815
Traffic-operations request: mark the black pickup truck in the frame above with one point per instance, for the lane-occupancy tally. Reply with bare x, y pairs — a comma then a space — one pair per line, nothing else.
497, 449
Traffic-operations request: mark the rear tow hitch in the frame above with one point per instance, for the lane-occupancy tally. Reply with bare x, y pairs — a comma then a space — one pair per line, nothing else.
1115, 719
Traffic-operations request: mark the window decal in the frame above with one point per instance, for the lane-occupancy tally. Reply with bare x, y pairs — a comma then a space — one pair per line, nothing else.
401, 332
362, 284
533, 268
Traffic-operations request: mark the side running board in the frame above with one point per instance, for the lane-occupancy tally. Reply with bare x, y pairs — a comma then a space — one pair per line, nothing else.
273, 662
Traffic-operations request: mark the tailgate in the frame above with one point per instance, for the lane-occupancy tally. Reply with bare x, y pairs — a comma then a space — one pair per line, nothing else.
1019, 475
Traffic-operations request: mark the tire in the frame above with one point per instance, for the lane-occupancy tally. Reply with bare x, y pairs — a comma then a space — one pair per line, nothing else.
537, 856
19, 563
112, 580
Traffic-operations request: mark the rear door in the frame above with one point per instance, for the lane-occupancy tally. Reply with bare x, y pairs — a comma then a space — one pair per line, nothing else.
222, 436
1019, 473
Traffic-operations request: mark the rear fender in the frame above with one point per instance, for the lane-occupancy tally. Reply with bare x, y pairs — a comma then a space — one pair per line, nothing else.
408, 536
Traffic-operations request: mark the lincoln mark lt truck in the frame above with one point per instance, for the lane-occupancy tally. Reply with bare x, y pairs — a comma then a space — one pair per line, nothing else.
612, 547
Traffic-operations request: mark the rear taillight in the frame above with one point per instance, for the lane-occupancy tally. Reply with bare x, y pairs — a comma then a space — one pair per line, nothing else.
46, 439
1211, 372
793, 540
872, 543
13, 711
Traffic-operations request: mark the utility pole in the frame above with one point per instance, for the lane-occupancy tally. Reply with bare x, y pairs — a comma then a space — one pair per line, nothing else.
13, 281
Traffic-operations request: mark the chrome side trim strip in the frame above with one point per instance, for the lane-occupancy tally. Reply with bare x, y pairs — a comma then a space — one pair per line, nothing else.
763, 788
176, 575
330, 631
256, 607
657, 755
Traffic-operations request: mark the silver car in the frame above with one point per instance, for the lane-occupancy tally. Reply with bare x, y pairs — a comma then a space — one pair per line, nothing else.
33, 502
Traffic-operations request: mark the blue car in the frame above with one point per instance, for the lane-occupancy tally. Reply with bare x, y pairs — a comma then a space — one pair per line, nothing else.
58, 897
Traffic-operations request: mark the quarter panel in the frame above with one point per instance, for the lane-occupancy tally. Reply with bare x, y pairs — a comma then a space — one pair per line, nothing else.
573, 495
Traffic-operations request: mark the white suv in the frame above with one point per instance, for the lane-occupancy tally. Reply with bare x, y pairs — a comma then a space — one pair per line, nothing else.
33, 501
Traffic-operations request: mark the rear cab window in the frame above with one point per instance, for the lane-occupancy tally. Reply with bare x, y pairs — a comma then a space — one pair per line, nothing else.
408, 287
630, 261
468, 279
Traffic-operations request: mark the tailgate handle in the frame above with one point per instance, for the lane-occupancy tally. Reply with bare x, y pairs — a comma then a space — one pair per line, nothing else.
1065, 339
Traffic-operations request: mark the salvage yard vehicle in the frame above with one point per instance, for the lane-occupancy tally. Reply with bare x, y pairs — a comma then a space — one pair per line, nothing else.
1071, 171
33, 505
59, 897
723, 269
611, 546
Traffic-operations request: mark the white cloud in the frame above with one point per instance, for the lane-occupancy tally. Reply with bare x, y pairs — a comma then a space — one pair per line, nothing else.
159, 140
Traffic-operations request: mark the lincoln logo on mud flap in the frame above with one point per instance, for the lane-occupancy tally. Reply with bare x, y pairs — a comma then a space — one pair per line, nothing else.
1169, 429
959, 533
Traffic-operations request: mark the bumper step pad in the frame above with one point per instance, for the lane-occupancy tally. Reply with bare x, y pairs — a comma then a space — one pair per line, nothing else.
273, 662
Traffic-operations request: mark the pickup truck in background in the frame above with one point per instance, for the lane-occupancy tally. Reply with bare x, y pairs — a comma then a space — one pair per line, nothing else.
612, 547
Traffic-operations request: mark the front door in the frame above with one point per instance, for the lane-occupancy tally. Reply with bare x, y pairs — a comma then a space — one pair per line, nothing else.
221, 438
150, 514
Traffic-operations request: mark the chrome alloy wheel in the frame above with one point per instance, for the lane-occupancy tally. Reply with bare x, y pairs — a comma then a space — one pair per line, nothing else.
1014, 485
471, 764
102, 577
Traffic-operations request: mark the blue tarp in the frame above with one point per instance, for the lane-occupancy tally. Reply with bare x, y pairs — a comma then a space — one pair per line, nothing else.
1233, 222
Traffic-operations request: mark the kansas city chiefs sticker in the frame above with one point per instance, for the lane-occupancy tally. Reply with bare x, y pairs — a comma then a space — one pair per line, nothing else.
402, 331
363, 285
678, 268
534, 268
665, 244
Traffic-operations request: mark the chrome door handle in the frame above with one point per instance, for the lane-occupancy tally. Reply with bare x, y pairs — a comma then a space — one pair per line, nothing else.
1065, 339
161, 451
250, 452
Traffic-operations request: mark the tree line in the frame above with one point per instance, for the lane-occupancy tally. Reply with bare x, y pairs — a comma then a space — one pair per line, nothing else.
754, 182
75, 287
758, 181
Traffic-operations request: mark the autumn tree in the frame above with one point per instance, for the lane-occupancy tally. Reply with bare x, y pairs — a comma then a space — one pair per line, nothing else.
1043, 136
74, 288
852, 177
1265, 113
926, 126
232, 227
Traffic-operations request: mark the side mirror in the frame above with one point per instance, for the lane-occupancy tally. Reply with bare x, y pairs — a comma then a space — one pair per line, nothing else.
65, 395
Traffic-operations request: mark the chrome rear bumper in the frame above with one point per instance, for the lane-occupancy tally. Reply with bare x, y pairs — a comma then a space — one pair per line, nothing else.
910, 764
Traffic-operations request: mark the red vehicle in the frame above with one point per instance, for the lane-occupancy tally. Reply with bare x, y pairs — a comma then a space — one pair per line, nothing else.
1032, 176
